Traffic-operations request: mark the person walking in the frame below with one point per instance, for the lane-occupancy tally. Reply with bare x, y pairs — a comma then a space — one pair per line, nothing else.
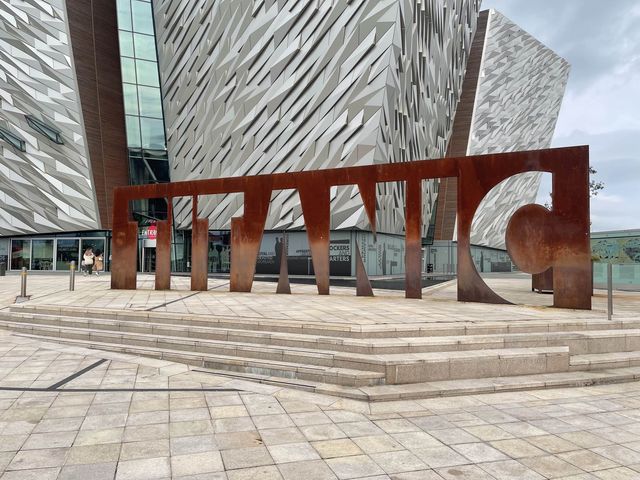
87, 261
99, 262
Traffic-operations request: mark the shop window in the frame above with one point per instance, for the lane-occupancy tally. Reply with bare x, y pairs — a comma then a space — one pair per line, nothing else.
42, 254
68, 250
20, 254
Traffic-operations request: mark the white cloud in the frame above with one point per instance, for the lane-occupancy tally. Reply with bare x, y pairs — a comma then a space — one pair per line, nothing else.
605, 198
607, 105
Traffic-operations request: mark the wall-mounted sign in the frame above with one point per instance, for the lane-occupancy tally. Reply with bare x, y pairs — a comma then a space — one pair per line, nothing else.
149, 233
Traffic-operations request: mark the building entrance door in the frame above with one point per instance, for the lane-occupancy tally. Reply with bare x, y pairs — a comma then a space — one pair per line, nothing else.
149, 259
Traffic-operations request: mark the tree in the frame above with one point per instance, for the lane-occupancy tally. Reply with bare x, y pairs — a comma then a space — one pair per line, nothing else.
594, 185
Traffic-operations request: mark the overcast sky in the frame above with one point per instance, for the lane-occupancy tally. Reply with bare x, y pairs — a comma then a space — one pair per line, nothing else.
601, 108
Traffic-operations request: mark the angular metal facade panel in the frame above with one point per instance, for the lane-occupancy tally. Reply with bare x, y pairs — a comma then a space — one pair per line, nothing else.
49, 187
519, 94
255, 87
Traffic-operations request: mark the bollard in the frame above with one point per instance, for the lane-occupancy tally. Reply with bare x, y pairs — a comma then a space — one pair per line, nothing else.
23, 282
609, 291
23, 287
72, 276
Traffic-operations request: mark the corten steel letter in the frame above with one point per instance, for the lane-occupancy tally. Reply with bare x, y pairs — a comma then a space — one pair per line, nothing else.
163, 250
246, 233
199, 250
368, 194
124, 245
536, 237
413, 239
314, 197
471, 287
363, 285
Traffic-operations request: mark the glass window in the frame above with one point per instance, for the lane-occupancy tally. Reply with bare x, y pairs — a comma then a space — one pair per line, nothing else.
126, 44
130, 99
124, 14
142, 17
128, 66
48, 131
145, 46
42, 255
20, 254
13, 140
68, 250
147, 73
160, 169
133, 131
150, 102
4, 251
152, 133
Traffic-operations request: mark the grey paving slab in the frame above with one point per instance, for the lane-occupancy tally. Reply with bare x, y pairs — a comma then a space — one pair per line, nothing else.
357, 466
464, 472
246, 457
196, 463
308, 470
398, 462
510, 469
33, 459
293, 452
93, 471
147, 468
336, 448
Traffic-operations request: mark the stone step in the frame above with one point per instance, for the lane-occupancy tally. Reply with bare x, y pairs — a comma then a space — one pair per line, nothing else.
396, 368
253, 366
581, 342
605, 360
478, 386
439, 390
424, 328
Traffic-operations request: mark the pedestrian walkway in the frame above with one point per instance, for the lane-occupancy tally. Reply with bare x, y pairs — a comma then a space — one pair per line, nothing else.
388, 306
72, 413
133, 418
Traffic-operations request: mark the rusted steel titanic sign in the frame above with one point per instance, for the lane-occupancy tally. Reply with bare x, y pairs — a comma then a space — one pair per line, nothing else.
537, 238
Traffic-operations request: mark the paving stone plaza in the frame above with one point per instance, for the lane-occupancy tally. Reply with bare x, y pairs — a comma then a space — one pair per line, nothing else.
72, 412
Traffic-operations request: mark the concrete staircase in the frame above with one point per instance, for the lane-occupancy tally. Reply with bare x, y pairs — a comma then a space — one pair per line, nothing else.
372, 362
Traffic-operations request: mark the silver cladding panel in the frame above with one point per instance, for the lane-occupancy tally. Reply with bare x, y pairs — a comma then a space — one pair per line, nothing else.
49, 187
257, 87
520, 91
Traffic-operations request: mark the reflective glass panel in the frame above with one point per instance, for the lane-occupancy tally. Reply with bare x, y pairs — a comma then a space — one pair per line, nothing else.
145, 46
150, 102
20, 254
152, 133
68, 250
133, 131
142, 17
130, 99
42, 255
128, 69
124, 14
126, 43
4, 252
147, 73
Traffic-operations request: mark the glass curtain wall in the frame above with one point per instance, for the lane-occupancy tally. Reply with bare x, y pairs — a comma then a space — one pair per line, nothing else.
148, 159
